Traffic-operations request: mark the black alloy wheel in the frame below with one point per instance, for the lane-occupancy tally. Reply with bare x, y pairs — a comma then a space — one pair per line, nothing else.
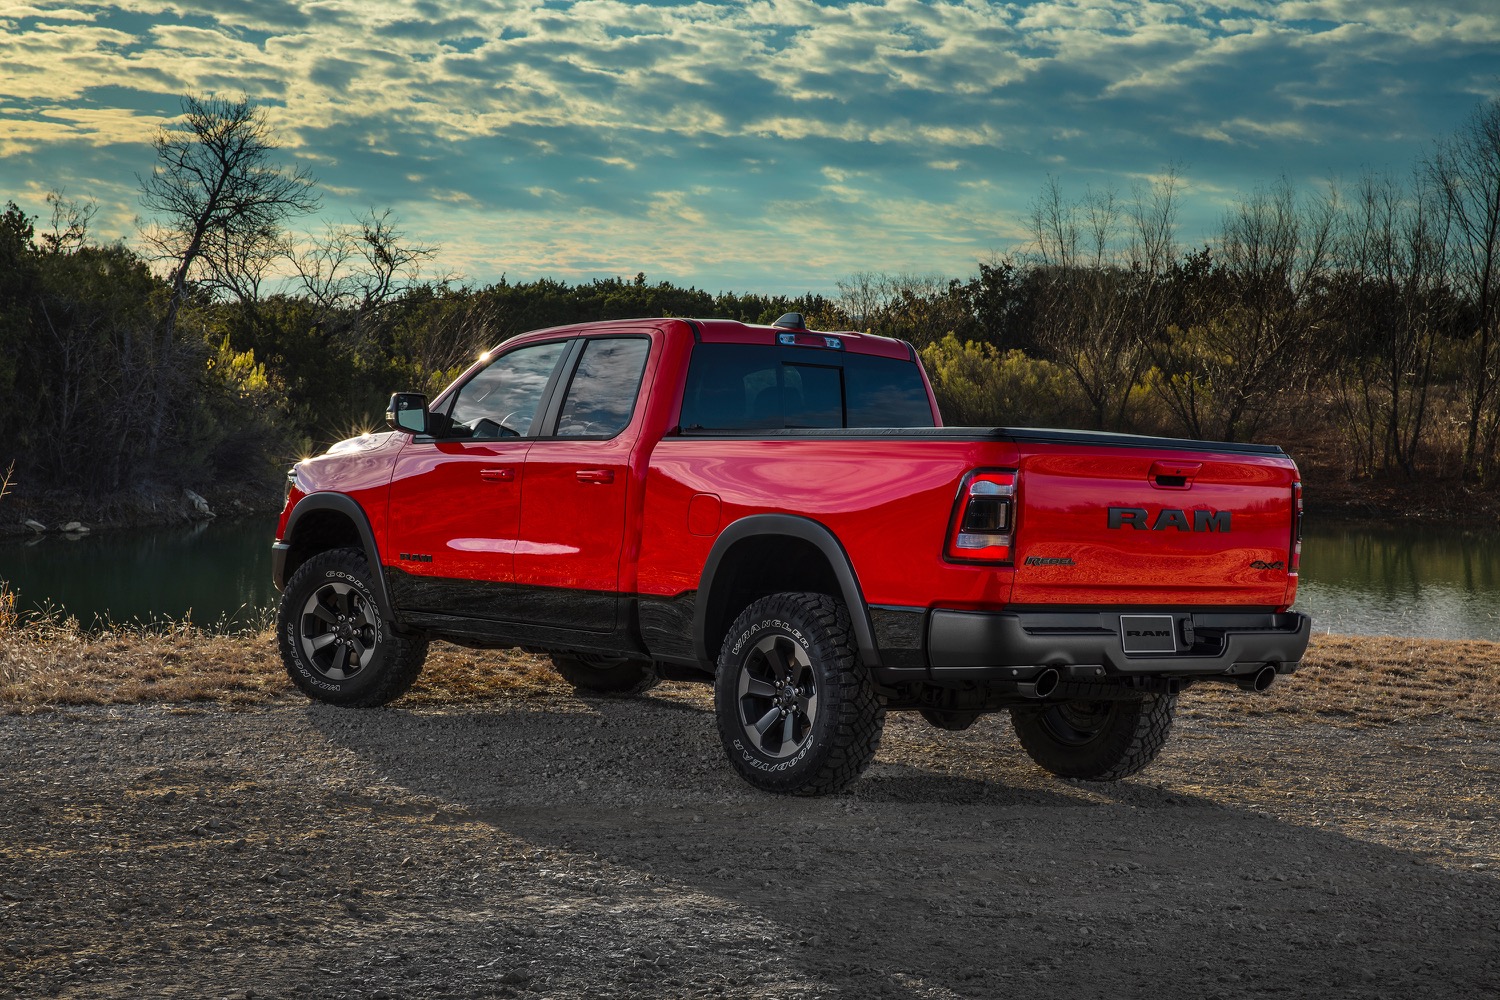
338, 631
335, 643
797, 711
777, 696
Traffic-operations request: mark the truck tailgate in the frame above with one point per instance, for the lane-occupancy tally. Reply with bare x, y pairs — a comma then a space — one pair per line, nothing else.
1144, 526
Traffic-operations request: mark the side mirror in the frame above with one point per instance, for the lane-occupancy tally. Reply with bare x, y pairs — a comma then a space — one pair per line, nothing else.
407, 412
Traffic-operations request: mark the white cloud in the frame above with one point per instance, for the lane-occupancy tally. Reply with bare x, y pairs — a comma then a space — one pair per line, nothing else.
25, 135
916, 106
9, 15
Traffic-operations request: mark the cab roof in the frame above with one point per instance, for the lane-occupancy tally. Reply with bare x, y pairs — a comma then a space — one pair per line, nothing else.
729, 331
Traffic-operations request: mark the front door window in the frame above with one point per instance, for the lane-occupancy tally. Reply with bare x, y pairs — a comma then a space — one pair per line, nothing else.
502, 400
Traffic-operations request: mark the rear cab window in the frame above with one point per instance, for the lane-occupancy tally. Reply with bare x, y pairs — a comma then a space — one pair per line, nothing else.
743, 387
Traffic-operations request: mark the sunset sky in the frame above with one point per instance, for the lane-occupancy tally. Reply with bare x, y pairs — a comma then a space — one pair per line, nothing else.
770, 146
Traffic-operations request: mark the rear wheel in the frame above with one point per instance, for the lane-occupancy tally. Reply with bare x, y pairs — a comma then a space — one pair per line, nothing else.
607, 675
1095, 740
950, 719
797, 712
334, 642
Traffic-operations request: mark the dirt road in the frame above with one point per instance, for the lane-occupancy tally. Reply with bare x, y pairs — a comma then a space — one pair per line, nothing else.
547, 846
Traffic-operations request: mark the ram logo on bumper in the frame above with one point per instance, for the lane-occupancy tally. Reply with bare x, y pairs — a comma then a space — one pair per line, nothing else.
1181, 520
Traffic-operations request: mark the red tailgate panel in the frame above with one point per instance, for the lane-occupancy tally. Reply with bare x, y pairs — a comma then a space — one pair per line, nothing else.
1165, 543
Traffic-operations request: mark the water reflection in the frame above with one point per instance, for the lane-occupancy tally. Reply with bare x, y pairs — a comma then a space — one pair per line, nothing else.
1405, 580
217, 572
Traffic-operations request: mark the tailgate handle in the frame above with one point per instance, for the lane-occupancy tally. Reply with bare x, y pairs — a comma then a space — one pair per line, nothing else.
1167, 475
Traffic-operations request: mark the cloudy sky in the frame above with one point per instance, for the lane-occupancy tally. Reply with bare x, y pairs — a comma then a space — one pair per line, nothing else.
777, 145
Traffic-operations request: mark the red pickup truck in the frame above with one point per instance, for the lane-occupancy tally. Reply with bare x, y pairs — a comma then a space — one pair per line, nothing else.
781, 512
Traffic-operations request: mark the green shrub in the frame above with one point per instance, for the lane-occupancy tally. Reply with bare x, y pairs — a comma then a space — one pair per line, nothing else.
978, 385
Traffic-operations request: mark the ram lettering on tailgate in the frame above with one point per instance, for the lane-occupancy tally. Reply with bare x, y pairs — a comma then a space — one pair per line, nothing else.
1169, 517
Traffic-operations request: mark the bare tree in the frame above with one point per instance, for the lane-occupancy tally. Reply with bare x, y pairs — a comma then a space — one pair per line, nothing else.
362, 267
1466, 169
1393, 301
70, 222
863, 296
217, 196
1098, 271
391, 263
237, 264
1153, 214
439, 331
920, 308
219, 206
1276, 256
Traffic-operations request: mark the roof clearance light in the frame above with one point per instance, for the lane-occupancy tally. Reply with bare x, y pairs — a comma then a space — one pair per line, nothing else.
834, 343
787, 339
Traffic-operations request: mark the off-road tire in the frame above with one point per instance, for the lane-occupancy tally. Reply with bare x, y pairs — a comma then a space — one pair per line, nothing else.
797, 711
1095, 740
598, 675
950, 719
336, 645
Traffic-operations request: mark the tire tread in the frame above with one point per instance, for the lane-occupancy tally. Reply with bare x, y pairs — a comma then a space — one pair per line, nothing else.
1115, 755
631, 678
402, 656
860, 722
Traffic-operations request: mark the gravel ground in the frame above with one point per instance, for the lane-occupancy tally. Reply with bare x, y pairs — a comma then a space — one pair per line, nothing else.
550, 846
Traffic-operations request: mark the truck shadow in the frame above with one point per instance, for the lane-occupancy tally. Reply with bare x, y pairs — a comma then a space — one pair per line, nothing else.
923, 883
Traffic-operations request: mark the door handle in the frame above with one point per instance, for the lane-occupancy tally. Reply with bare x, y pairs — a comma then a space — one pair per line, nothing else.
1166, 475
595, 475
498, 475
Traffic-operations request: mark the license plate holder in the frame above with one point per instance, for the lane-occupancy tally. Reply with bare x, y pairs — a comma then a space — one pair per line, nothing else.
1148, 635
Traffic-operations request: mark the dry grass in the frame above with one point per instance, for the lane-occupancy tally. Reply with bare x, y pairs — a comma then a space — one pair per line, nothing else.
1360, 680
1349, 680
54, 663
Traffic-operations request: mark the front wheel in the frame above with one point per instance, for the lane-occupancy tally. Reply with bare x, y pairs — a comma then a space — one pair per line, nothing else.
797, 712
334, 642
1095, 740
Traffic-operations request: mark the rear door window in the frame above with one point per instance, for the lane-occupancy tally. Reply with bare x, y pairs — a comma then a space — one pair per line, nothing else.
602, 395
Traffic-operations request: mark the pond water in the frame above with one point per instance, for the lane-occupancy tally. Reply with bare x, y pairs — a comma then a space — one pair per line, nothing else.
218, 572
1440, 583
1413, 581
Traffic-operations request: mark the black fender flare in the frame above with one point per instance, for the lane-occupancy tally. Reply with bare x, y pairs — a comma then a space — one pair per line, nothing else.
804, 529
345, 505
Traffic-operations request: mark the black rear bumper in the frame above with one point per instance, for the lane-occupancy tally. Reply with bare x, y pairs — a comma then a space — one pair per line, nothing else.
1092, 644
1220, 643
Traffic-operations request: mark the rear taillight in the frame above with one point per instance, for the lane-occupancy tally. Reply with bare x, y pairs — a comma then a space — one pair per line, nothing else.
1294, 562
984, 517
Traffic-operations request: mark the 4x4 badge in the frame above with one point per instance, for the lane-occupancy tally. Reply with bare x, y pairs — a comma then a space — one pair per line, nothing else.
1260, 564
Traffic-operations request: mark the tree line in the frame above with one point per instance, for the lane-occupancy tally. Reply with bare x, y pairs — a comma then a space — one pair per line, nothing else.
1365, 315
